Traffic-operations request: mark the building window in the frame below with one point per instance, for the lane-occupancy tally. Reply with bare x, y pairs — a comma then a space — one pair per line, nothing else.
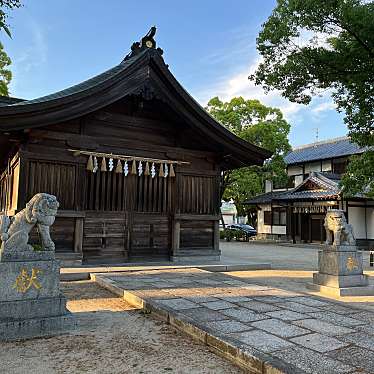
279, 217
339, 166
267, 217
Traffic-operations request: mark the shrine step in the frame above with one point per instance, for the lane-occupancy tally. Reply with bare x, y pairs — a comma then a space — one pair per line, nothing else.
69, 259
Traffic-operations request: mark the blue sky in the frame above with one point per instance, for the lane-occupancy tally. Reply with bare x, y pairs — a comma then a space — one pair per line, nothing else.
209, 45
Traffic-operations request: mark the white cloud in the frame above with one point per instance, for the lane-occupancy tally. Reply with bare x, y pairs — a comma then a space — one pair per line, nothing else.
238, 84
324, 106
34, 56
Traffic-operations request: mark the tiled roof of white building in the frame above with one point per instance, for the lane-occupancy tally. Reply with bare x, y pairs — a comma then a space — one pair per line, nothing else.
332, 148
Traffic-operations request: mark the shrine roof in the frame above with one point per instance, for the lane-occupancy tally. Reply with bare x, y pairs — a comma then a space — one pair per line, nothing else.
142, 68
7, 100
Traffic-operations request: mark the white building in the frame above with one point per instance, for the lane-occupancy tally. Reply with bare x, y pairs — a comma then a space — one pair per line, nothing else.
296, 212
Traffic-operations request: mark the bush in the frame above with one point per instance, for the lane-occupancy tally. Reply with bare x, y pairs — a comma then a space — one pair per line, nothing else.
229, 234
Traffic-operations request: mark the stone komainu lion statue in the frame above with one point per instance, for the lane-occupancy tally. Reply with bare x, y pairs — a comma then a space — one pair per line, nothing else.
40, 211
338, 231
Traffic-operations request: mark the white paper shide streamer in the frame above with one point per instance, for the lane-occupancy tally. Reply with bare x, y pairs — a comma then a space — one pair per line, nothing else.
153, 170
96, 165
126, 169
166, 171
111, 164
140, 169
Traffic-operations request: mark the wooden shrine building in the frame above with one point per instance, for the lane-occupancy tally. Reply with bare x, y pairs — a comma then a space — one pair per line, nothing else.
133, 159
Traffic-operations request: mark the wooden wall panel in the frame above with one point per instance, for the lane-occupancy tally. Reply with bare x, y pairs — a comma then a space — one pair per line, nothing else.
105, 237
9, 185
197, 194
109, 191
62, 233
196, 234
150, 236
53, 178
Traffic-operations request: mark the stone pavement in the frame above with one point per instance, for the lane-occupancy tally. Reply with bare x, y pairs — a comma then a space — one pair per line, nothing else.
262, 329
84, 272
280, 256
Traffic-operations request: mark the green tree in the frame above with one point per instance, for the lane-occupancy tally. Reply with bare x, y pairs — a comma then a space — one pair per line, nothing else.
260, 125
310, 46
5, 73
5, 7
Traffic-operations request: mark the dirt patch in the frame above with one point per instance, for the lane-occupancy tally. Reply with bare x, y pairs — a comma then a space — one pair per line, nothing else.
112, 338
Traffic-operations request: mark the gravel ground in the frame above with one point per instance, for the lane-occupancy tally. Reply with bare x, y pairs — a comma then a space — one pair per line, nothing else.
111, 338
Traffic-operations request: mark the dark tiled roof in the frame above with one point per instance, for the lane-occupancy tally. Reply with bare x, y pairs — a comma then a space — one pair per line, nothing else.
266, 198
7, 100
338, 147
83, 86
309, 195
323, 180
327, 186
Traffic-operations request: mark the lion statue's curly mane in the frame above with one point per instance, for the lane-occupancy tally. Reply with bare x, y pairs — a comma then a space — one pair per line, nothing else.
338, 231
40, 211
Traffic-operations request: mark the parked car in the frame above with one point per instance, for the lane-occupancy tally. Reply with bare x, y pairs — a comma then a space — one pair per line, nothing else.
240, 231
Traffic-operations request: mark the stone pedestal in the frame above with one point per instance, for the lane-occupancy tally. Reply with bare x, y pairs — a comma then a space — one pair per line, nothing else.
340, 272
31, 304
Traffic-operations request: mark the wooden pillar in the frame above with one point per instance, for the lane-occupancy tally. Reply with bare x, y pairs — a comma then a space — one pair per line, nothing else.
78, 235
289, 229
216, 235
175, 243
22, 181
299, 226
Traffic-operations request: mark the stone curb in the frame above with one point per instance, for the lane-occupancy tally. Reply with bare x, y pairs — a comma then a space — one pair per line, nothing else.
246, 357
72, 277
85, 275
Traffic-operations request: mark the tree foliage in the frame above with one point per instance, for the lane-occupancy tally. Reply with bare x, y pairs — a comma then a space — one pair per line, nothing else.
359, 177
5, 73
309, 46
263, 126
5, 7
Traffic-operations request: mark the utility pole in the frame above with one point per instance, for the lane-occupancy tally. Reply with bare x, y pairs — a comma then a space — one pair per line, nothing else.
317, 133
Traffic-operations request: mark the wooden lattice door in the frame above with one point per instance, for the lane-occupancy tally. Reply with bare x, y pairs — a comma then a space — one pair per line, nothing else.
106, 237
149, 237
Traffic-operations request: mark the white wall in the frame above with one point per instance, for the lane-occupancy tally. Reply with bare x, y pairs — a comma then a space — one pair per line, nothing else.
267, 229
356, 217
279, 230
294, 170
261, 228
229, 219
298, 180
312, 166
268, 186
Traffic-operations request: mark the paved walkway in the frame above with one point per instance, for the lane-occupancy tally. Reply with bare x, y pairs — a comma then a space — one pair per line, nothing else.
264, 329
279, 256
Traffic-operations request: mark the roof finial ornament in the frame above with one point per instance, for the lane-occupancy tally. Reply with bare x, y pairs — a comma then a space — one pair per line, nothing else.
147, 42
